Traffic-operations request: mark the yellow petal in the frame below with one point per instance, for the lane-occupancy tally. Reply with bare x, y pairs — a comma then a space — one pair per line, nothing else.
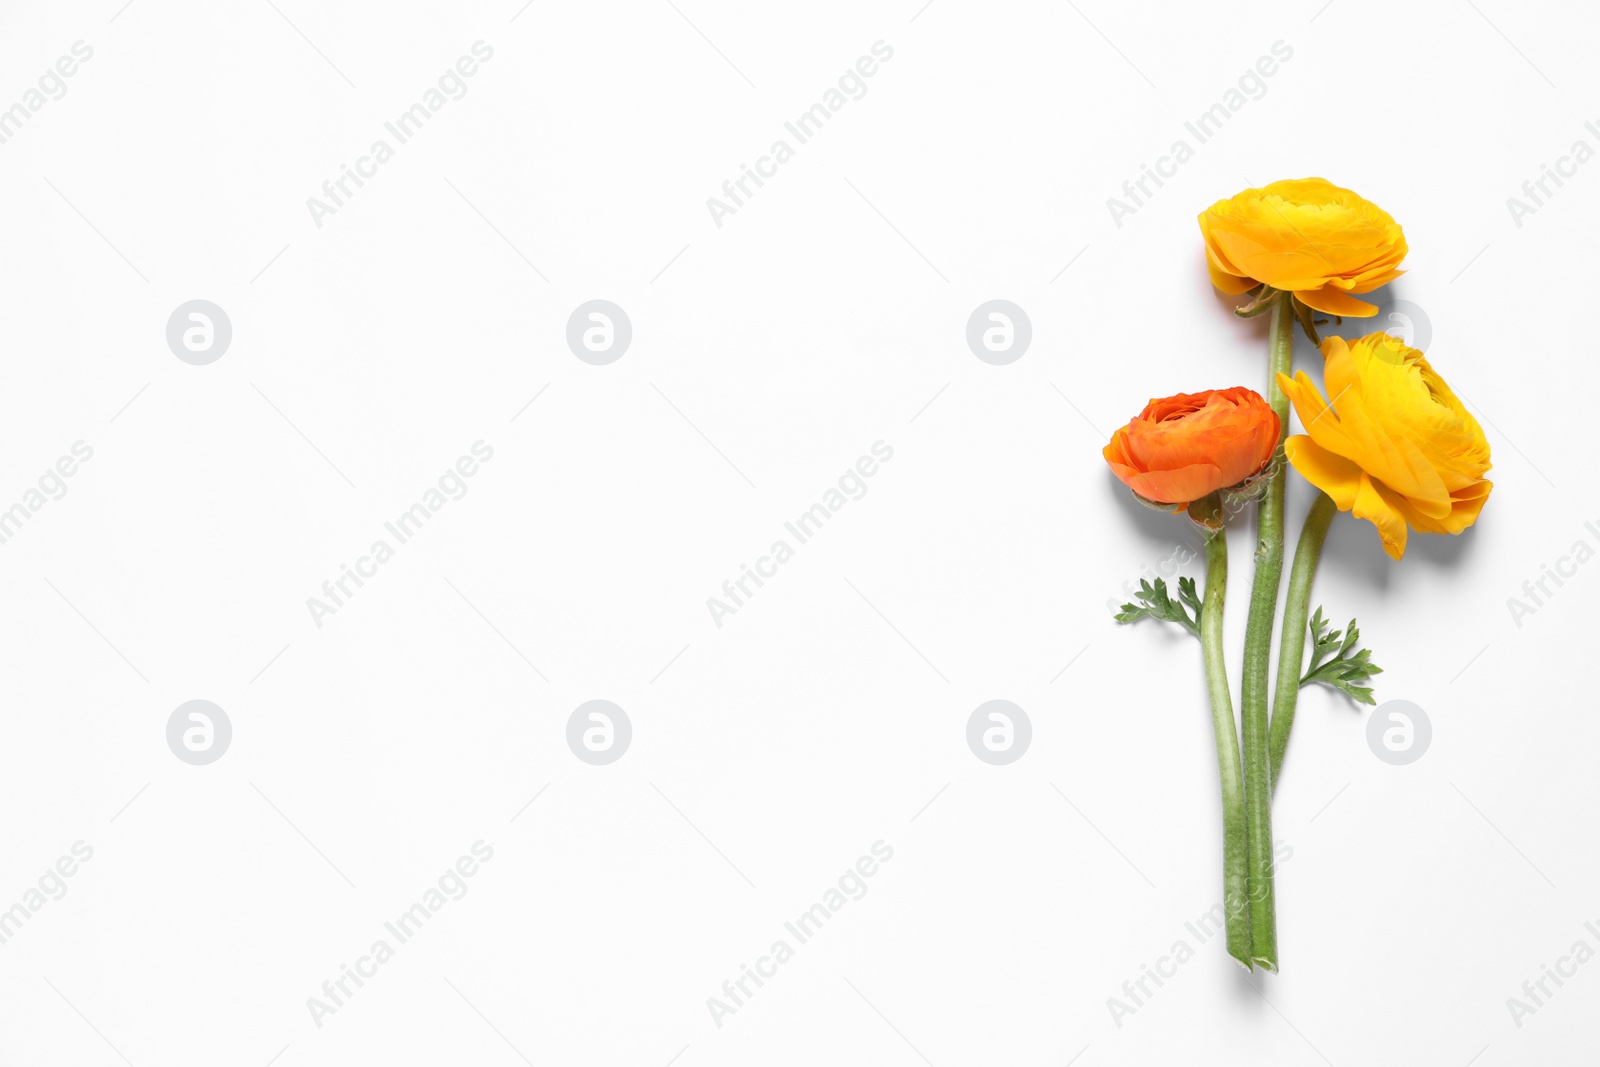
1366, 285
1227, 283
1339, 369
1387, 454
1381, 507
1464, 510
1317, 417
1334, 475
1336, 302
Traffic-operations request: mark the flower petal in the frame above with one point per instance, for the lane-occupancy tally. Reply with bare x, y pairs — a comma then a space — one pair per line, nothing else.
1172, 486
1381, 506
1332, 301
1334, 475
1392, 459
1227, 283
1317, 417
1464, 510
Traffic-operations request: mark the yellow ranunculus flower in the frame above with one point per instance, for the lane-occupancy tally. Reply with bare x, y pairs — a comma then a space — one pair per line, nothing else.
1306, 236
1396, 447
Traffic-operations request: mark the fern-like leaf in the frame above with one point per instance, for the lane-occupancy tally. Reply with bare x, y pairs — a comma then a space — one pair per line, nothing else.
1336, 663
1154, 603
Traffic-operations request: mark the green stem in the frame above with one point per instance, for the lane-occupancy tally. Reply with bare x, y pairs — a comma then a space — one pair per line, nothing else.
1235, 858
1258, 654
1291, 653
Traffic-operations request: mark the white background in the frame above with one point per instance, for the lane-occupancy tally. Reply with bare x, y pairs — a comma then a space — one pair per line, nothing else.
827, 314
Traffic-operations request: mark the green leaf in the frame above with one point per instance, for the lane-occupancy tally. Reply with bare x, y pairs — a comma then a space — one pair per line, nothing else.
1322, 642
1187, 594
1347, 668
1154, 603
1351, 636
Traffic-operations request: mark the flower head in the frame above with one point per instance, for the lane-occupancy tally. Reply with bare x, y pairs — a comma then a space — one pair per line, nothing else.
1395, 446
1304, 236
1182, 448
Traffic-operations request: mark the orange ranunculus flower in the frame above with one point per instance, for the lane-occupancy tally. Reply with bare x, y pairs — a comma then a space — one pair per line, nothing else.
1305, 236
1184, 447
1397, 447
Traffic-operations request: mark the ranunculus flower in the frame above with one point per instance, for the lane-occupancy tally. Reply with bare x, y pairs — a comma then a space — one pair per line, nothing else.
1396, 447
1182, 448
1305, 236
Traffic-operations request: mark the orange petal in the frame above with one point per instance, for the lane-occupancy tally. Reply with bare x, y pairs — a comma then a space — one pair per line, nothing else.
1178, 486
